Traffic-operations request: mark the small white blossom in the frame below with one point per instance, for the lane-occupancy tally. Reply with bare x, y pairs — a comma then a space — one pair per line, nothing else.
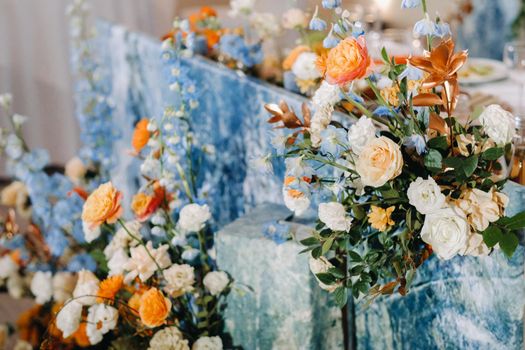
193, 217
101, 319
361, 133
304, 67
208, 343
179, 279
216, 281
42, 287
425, 195
335, 217
498, 124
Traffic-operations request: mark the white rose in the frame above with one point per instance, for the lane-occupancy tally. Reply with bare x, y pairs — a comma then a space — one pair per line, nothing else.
216, 281
334, 215
498, 124
68, 318
8, 267
380, 161
75, 170
179, 279
447, 231
425, 195
207, 343
15, 286
193, 217
476, 246
482, 208
63, 286
87, 288
294, 18
117, 262
122, 239
361, 133
169, 338
140, 264
304, 67
42, 287
101, 319
322, 265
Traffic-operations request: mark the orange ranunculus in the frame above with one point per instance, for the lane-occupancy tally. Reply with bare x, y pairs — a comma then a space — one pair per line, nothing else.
109, 287
141, 135
102, 205
346, 62
154, 308
292, 56
144, 205
80, 336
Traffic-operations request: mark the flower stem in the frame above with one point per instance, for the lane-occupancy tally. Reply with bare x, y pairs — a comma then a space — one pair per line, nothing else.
121, 222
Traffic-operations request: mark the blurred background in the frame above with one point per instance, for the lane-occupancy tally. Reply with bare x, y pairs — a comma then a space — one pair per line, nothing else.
34, 57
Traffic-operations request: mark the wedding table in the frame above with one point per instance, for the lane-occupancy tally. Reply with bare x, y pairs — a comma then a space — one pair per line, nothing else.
443, 308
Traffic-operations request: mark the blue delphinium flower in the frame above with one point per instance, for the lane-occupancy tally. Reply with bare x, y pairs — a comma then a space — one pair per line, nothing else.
190, 254
82, 261
317, 23
425, 27
56, 241
357, 30
418, 142
277, 232
442, 30
333, 140
341, 27
382, 111
78, 232
411, 73
235, 47
331, 4
407, 4
331, 40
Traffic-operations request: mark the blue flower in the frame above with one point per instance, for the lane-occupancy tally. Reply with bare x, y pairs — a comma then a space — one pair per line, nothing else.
78, 232
442, 30
331, 4
341, 27
425, 27
383, 111
357, 30
333, 140
279, 233
57, 242
190, 254
330, 41
407, 4
418, 142
317, 24
82, 261
411, 73
235, 47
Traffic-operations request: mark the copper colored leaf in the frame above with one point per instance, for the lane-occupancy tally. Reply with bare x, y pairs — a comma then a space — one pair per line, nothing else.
273, 108
426, 100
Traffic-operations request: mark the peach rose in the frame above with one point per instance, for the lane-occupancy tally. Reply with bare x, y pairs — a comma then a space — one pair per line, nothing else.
346, 62
103, 205
154, 308
380, 160
141, 135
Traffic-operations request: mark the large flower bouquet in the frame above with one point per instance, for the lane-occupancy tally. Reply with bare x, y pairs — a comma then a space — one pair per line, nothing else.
409, 178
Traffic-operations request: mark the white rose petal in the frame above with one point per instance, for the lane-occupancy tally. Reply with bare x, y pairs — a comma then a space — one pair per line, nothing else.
498, 124
90, 233
42, 287
193, 217
141, 265
216, 281
87, 288
101, 319
361, 133
425, 195
334, 215
68, 318
447, 231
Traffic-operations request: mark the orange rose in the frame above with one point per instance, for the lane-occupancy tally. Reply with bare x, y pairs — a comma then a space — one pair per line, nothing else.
154, 308
348, 61
108, 288
292, 56
103, 205
141, 135
144, 205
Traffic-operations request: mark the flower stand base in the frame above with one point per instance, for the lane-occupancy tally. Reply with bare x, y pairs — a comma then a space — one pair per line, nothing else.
464, 303
285, 308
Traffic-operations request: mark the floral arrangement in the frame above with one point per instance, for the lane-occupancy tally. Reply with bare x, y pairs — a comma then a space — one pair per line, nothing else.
156, 285
408, 179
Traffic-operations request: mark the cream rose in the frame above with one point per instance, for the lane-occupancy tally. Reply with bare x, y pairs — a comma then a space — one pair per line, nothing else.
216, 281
447, 231
498, 124
208, 343
380, 160
425, 195
482, 208
334, 216
179, 279
75, 169
322, 265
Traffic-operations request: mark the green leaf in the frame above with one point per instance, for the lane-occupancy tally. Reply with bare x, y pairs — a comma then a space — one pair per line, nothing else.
469, 165
327, 245
336, 272
509, 243
354, 256
384, 55
341, 296
358, 211
326, 278
453, 162
390, 194
492, 236
516, 222
439, 143
310, 241
433, 159
316, 253
493, 153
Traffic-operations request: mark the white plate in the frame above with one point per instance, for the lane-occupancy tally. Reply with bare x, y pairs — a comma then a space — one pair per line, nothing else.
482, 71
